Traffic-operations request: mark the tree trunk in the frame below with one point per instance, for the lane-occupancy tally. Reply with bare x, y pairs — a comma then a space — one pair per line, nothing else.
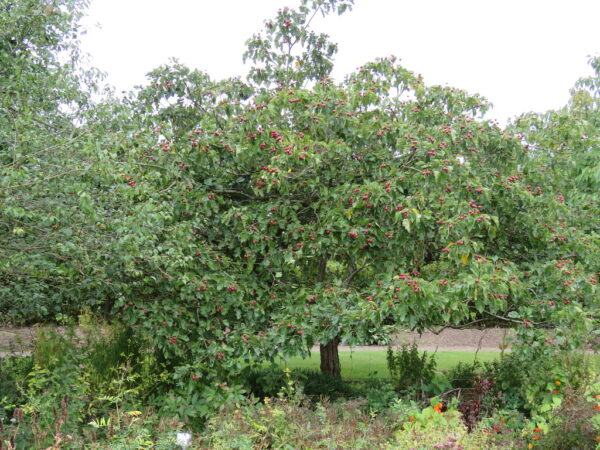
330, 358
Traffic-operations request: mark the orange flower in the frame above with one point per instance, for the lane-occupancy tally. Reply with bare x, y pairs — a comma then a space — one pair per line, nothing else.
558, 383
411, 419
538, 430
597, 407
536, 437
598, 396
438, 408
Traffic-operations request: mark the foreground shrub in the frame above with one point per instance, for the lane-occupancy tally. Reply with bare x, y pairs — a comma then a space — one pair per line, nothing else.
576, 423
123, 430
73, 379
13, 371
284, 423
76, 386
281, 423
448, 432
505, 427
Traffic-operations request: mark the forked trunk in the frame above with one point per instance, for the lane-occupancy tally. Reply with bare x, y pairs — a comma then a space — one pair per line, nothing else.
330, 358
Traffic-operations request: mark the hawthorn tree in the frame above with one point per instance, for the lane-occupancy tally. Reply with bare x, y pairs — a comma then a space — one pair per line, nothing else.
234, 222
306, 211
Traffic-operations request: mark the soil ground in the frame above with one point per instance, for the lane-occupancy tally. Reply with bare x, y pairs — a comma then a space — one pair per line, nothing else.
19, 340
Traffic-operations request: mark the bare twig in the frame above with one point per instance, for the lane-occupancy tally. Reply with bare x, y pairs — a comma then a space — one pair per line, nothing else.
456, 327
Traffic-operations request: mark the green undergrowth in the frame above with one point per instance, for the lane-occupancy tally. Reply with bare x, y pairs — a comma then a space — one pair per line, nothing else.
105, 390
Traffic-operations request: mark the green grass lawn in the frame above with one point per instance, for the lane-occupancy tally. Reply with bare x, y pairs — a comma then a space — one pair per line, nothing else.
373, 364
363, 364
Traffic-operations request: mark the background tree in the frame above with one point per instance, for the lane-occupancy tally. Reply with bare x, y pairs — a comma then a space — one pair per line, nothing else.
42, 159
65, 165
561, 167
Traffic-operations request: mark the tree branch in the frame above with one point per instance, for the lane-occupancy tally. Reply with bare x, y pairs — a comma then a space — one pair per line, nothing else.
58, 175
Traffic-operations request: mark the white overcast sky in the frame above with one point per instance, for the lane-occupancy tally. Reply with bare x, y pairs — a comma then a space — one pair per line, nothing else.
523, 55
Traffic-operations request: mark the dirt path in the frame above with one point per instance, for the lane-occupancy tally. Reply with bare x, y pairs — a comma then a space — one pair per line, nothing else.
491, 339
19, 340
16, 340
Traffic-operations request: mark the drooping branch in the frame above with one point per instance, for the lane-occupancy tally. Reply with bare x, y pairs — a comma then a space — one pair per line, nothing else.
352, 271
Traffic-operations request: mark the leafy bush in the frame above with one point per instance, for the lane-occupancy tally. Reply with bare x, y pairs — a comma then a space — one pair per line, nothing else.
534, 381
379, 394
410, 372
464, 375
54, 404
263, 381
132, 429
117, 430
505, 426
508, 375
49, 396
316, 384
